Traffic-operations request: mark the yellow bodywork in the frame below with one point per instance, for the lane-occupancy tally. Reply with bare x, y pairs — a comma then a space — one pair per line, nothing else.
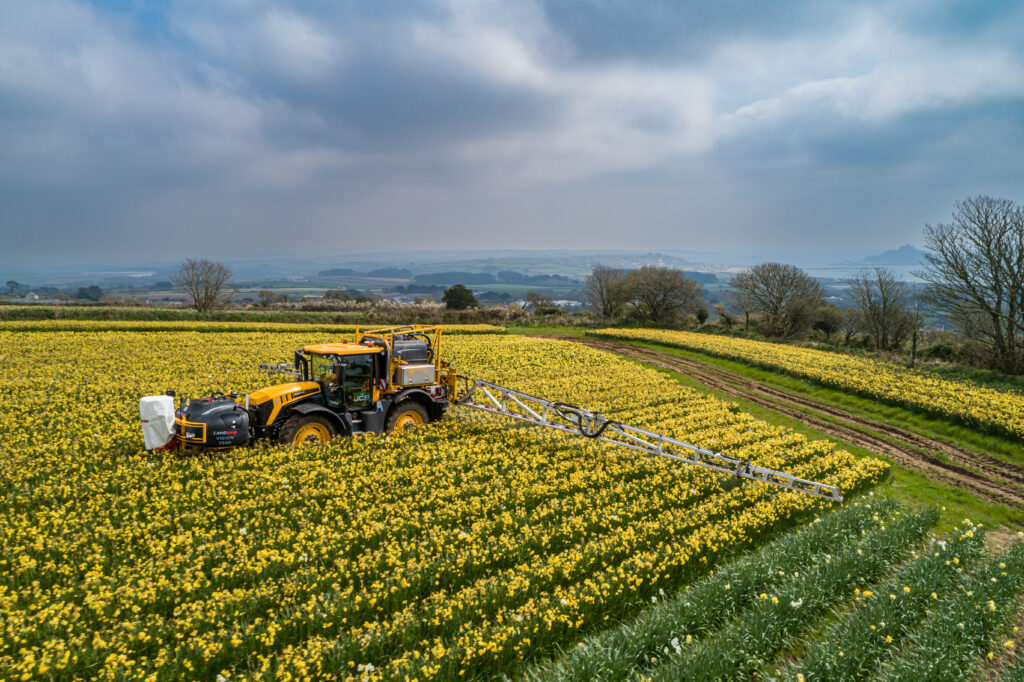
281, 394
341, 349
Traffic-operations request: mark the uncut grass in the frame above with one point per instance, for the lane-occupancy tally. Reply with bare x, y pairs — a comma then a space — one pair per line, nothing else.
1015, 671
959, 635
883, 618
774, 620
614, 654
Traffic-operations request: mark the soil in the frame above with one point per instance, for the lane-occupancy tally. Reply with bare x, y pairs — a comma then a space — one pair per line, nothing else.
982, 475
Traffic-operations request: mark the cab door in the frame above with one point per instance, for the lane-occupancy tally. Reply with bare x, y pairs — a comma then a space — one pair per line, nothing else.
359, 380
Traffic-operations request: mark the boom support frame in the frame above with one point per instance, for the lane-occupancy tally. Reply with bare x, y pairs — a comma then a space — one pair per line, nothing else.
507, 402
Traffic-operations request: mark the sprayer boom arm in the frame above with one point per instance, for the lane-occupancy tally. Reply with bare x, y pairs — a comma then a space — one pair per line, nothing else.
483, 395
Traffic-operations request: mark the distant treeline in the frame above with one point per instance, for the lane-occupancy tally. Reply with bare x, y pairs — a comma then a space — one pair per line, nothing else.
390, 273
427, 281
503, 277
702, 277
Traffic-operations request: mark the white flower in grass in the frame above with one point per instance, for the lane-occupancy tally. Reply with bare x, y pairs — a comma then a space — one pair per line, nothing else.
797, 604
675, 644
243, 531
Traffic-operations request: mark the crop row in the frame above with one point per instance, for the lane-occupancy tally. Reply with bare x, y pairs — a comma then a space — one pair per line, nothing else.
985, 408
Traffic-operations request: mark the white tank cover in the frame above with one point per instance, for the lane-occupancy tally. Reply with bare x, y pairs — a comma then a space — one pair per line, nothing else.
157, 413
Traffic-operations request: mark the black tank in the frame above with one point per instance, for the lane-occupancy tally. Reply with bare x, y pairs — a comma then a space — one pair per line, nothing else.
227, 423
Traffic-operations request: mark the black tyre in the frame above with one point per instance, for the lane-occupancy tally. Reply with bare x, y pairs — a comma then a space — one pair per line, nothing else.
407, 414
306, 429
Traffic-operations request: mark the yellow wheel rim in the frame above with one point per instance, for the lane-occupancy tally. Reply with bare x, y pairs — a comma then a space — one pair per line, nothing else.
408, 420
312, 434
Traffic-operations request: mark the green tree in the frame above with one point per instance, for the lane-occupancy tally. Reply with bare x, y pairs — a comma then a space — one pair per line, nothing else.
702, 315
828, 320
662, 295
784, 295
458, 297
89, 293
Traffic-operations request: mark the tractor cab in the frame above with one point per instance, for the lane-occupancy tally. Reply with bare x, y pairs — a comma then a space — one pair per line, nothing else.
348, 375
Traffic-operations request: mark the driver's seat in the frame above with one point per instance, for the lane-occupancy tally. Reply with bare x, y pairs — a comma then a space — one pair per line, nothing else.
330, 397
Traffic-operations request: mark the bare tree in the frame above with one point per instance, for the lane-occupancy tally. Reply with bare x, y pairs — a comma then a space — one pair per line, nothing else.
917, 317
744, 303
884, 306
975, 273
204, 281
661, 295
850, 324
604, 291
785, 295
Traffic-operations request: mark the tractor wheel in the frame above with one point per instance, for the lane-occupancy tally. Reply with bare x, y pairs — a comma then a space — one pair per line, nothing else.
408, 414
306, 429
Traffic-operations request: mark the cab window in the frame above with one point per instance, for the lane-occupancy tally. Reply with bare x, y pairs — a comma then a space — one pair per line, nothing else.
322, 367
359, 380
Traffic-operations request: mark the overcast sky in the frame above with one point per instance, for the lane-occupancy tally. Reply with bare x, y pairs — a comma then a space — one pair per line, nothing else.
133, 129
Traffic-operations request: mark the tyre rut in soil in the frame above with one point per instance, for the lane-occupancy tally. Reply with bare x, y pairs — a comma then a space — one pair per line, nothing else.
995, 480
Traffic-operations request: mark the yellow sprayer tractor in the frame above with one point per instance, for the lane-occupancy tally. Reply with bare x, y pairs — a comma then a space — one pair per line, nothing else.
394, 379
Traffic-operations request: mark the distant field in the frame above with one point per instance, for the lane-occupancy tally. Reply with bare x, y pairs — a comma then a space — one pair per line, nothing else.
23, 314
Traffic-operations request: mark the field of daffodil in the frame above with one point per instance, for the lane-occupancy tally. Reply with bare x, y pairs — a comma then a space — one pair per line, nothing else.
459, 551
985, 408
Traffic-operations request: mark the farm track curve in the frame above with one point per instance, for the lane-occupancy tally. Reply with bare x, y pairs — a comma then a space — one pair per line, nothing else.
982, 475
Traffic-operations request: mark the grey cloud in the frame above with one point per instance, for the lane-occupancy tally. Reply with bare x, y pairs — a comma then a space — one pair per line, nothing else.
650, 125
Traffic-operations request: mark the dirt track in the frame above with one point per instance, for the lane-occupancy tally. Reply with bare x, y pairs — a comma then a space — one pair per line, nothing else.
981, 475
